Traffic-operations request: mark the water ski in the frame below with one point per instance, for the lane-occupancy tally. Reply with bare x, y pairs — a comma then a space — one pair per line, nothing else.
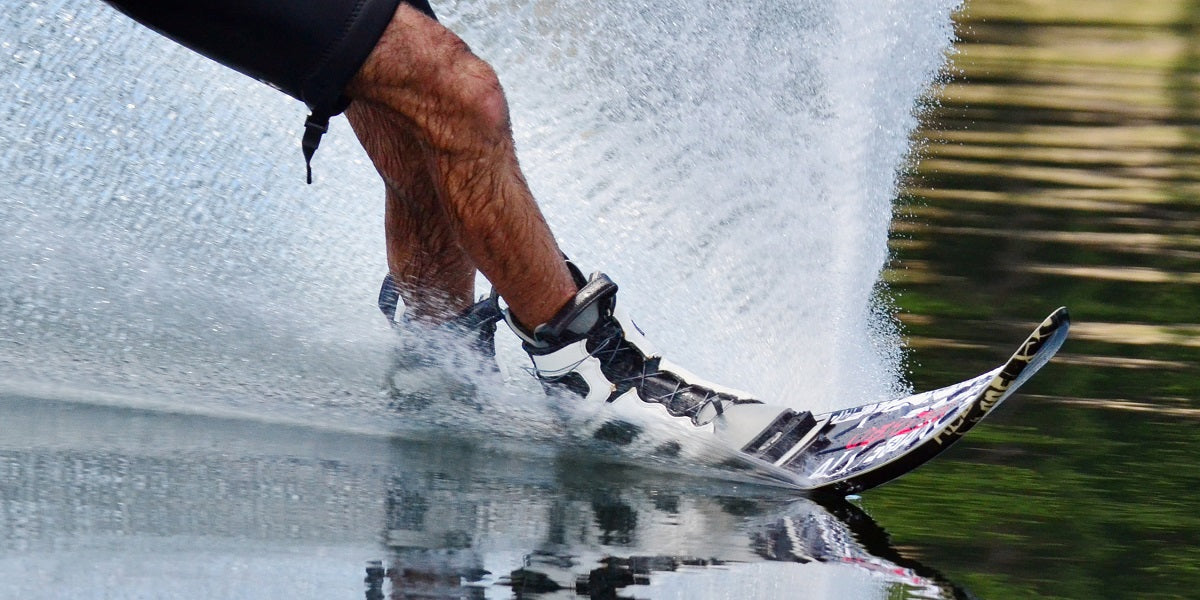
854, 449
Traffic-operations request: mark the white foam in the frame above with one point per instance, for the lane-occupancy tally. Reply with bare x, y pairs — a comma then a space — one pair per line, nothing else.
732, 167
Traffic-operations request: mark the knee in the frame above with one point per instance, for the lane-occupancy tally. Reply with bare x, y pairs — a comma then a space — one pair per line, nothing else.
472, 89
428, 74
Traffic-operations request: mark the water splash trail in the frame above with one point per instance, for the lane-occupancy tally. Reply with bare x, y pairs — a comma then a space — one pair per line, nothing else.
732, 167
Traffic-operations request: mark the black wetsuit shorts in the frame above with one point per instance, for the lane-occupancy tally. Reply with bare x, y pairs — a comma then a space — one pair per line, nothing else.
309, 49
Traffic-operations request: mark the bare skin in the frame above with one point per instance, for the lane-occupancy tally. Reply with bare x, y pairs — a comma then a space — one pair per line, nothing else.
433, 119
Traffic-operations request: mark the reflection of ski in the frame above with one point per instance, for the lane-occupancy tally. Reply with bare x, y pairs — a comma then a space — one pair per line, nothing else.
862, 447
805, 532
875, 548
842, 534
191, 494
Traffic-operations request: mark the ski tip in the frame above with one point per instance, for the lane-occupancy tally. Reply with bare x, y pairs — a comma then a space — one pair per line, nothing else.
1057, 325
1038, 348
1060, 317
1051, 332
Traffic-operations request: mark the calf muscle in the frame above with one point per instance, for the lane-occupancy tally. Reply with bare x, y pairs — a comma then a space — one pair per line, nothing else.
434, 121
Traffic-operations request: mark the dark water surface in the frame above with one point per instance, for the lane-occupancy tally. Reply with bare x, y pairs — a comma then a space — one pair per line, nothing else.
1062, 168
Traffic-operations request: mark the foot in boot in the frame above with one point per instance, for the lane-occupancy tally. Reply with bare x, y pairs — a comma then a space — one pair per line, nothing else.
476, 325
591, 349
433, 363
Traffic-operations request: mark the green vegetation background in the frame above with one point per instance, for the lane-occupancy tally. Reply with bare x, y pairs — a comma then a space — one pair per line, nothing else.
1060, 165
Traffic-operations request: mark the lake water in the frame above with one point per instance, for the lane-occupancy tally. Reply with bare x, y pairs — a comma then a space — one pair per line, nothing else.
1061, 168
192, 380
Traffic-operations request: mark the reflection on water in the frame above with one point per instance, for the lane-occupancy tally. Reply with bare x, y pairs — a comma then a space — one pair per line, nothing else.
110, 502
1062, 167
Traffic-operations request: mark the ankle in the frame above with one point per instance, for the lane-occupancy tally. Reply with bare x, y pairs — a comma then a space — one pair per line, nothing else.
580, 314
428, 307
